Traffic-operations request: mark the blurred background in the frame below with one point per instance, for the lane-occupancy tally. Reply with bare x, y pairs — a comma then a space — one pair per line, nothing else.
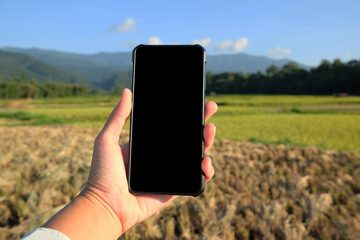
286, 77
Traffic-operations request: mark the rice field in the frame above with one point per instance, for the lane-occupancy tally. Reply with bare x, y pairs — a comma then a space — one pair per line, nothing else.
325, 121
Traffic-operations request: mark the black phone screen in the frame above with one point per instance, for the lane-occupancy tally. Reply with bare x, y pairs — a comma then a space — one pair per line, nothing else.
166, 132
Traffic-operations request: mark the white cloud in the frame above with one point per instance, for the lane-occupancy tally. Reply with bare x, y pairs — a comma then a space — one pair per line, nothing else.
127, 26
278, 52
240, 44
203, 42
347, 54
154, 41
231, 45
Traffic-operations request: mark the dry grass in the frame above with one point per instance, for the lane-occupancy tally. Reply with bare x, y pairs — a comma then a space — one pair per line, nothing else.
258, 192
41, 168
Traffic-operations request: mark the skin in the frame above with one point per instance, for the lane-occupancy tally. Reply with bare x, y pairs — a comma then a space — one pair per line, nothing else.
105, 208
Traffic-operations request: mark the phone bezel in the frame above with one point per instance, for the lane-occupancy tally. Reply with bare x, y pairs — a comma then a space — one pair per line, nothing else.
202, 178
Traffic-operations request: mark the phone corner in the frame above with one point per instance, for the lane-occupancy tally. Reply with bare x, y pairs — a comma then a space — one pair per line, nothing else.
203, 50
132, 190
130, 187
201, 190
202, 186
199, 46
134, 51
138, 46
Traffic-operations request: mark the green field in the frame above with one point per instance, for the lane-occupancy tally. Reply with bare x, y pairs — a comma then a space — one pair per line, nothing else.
324, 121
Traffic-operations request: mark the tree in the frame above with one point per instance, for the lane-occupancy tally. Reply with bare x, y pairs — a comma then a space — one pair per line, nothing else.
23, 76
117, 91
337, 63
33, 81
354, 64
272, 70
325, 65
290, 67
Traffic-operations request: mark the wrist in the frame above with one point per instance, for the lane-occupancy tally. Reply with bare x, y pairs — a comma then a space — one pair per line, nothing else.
105, 211
86, 217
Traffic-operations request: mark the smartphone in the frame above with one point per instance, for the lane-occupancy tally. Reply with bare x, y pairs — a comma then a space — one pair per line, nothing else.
167, 120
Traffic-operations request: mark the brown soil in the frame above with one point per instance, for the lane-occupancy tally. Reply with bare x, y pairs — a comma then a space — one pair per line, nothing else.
18, 105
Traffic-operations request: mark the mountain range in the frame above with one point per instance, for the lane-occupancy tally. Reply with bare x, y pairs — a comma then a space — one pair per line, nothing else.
106, 70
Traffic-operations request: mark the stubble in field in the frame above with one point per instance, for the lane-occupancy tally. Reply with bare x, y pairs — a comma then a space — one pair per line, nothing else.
258, 191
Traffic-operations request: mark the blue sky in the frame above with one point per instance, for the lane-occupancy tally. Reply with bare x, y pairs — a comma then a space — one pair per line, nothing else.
304, 31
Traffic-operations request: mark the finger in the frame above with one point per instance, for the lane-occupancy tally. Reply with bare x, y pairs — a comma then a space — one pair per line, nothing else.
119, 115
207, 168
210, 108
209, 135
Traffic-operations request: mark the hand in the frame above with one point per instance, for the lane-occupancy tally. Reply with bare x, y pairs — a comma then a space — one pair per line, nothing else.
105, 208
108, 171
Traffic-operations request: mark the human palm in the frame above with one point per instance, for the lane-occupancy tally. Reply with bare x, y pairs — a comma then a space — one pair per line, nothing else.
108, 173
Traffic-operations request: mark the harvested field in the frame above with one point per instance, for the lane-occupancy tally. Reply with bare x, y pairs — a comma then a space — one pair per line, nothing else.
258, 191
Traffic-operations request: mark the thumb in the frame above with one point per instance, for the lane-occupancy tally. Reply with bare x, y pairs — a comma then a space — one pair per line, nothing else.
119, 115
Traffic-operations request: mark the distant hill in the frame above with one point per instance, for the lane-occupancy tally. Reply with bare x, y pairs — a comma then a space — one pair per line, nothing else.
13, 64
242, 62
97, 68
123, 78
106, 69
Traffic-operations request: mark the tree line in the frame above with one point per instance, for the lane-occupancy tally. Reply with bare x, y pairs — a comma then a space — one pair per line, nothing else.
326, 79
31, 89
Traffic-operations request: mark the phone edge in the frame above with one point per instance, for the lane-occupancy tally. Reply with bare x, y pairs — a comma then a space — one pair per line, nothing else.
202, 185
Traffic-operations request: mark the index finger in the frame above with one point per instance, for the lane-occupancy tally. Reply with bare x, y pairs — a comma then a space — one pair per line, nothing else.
210, 108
